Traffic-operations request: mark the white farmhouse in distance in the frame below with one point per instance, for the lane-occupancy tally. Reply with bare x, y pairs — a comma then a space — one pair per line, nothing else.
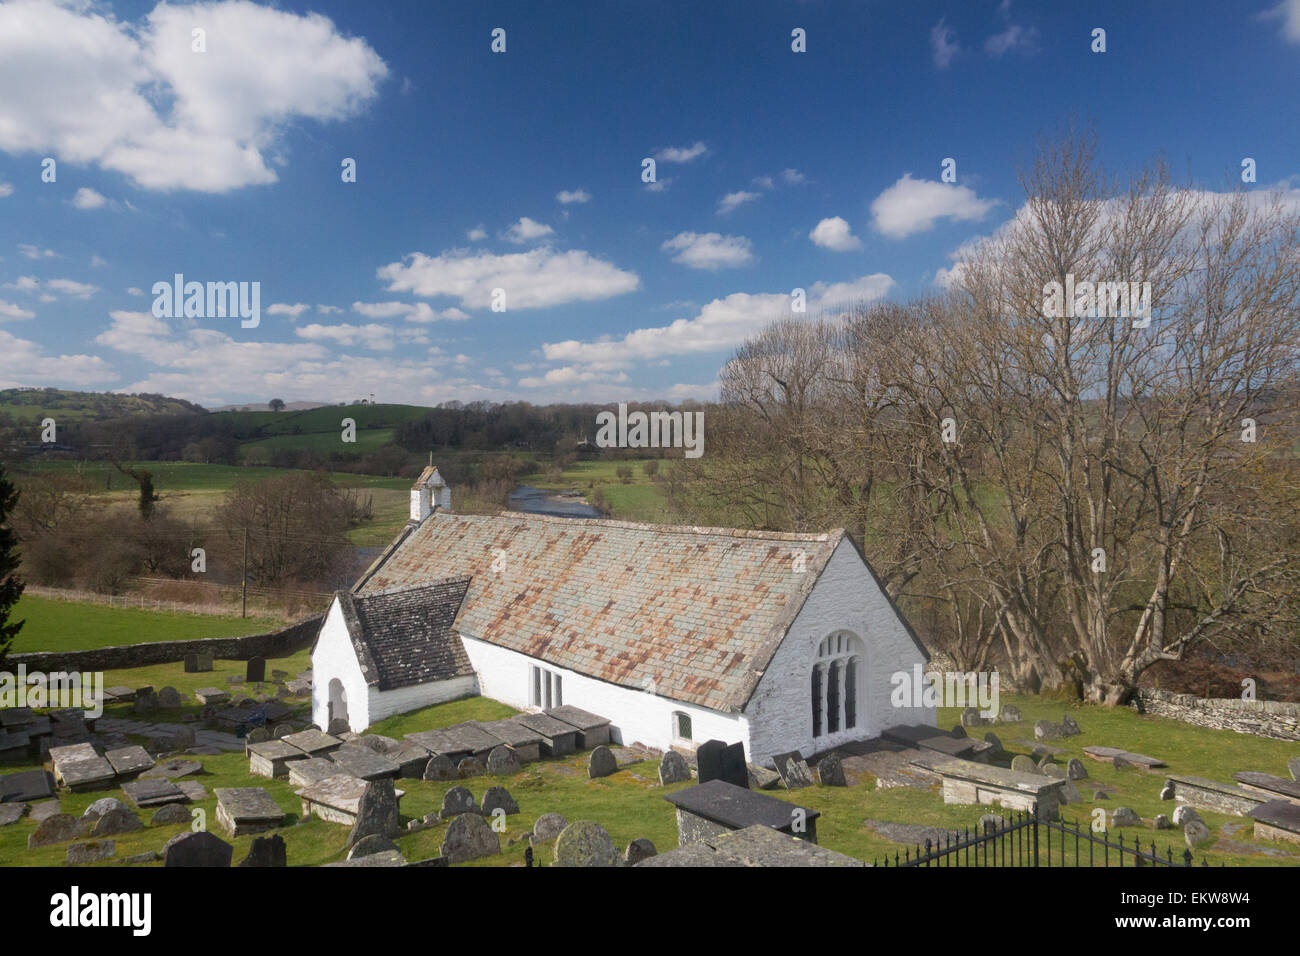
677, 635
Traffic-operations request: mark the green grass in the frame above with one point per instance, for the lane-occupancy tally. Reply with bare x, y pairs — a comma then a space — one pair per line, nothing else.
178, 476
322, 442
630, 804
54, 625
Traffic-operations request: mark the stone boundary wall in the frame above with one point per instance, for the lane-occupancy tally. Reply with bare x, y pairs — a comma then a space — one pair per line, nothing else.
279, 643
1263, 718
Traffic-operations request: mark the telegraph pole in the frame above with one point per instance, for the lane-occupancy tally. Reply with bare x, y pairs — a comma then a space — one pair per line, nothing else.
243, 596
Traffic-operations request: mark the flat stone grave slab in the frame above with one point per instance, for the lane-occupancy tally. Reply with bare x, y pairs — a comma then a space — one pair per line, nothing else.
11, 813
16, 717
466, 739
173, 769
1032, 745
79, 767
304, 773
14, 746
27, 786
526, 742
271, 758
153, 793
208, 696
1108, 755
364, 763
593, 730
128, 762
1270, 786
911, 735
384, 858
558, 738
1205, 794
336, 799
763, 846
969, 782
244, 810
313, 743
119, 693
1277, 820
950, 746
192, 789
411, 759
708, 809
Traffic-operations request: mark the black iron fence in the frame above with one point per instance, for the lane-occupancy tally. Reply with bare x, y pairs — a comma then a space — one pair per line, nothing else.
1026, 840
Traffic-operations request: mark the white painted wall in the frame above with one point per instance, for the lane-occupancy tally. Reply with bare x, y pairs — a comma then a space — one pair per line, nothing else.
333, 657
401, 700
635, 715
846, 598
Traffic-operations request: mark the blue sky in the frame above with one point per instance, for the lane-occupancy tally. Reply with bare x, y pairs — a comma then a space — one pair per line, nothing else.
522, 171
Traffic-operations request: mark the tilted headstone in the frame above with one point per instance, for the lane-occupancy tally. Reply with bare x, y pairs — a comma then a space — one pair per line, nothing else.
1185, 814
255, 673
502, 761
456, 801
376, 812
498, 798
1023, 764
440, 767
197, 849
171, 815
601, 763
102, 806
1125, 817
638, 850
59, 828
469, 767
548, 827
372, 844
1010, 714
673, 768
793, 770
584, 843
1069, 727
1162, 822
1075, 769
170, 698
267, 851
469, 837
996, 742
1196, 833
1046, 730
830, 771
115, 822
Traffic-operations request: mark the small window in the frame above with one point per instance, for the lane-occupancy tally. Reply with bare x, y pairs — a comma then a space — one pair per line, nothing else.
536, 697
559, 695
682, 725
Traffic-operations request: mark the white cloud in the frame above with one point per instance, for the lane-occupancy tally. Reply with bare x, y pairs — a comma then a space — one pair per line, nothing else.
1014, 37
283, 308
133, 98
914, 205
410, 311
25, 363
134, 290
96, 262
377, 338
709, 250
10, 311
834, 233
80, 290
681, 154
1288, 11
35, 252
328, 310
6, 190
567, 196
87, 198
765, 182
527, 230
730, 201
719, 326
24, 284
659, 185
477, 234
794, 177
943, 45
532, 280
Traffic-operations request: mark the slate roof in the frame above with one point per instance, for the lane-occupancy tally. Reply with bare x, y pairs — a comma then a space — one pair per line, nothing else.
405, 636
698, 611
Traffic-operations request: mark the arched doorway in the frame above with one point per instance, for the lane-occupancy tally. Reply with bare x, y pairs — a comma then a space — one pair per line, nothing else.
338, 705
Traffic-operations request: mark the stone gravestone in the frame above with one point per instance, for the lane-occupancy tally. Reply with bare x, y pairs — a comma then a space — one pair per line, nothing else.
548, 827
502, 761
146, 701
1022, 764
266, 851
337, 726
1069, 726
376, 812
1046, 730
1075, 769
255, 674
191, 663
456, 801
584, 843
830, 771
1010, 714
59, 828
197, 849
469, 837
170, 698
91, 852
673, 768
1185, 814
601, 763
469, 767
638, 850
205, 661
171, 815
996, 742
1125, 817
1197, 833
1293, 765
793, 770
498, 798
115, 822
439, 767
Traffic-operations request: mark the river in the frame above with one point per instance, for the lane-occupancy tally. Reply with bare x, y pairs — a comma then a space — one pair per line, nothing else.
540, 501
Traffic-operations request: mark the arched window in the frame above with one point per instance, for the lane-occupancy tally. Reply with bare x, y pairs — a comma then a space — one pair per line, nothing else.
836, 677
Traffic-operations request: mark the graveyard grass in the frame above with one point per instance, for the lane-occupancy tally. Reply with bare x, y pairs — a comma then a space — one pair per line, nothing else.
630, 804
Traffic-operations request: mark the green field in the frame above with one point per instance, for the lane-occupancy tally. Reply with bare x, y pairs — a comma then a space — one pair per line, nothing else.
54, 625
